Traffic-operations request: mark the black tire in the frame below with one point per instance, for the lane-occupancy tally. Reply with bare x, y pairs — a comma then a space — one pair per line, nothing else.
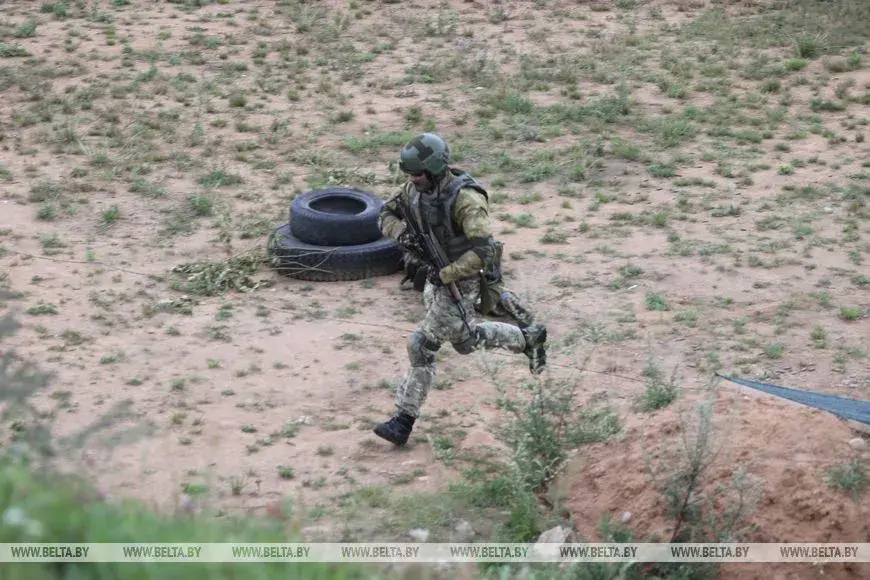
335, 216
296, 259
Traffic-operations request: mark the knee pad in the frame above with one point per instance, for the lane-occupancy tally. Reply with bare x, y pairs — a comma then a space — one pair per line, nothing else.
421, 350
468, 345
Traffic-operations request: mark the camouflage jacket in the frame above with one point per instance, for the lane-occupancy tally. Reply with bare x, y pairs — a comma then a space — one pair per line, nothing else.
471, 221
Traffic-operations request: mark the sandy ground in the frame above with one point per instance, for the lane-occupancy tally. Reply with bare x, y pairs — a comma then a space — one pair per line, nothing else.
237, 389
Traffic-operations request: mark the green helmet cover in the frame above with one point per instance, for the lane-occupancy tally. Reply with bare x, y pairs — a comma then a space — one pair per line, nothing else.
425, 152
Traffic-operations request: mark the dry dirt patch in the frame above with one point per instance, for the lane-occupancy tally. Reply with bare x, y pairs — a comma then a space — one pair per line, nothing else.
677, 186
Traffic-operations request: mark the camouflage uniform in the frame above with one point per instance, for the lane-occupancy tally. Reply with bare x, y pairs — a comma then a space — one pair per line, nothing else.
474, 267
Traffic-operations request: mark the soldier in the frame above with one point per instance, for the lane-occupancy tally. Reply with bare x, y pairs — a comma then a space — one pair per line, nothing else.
452, 208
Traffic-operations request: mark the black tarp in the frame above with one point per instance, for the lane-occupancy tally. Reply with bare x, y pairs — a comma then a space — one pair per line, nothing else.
852, 409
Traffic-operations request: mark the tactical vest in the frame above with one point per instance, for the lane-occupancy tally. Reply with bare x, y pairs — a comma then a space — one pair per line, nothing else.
437, 213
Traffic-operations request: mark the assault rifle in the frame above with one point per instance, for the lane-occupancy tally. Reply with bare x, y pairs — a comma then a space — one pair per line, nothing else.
437, 258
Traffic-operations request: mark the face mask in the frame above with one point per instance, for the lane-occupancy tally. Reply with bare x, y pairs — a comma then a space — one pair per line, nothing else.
423, 184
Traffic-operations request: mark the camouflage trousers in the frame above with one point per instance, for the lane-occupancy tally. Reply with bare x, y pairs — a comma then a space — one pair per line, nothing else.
509, 304
444, 323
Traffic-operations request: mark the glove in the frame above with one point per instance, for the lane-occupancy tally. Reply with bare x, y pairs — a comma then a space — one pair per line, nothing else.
434, 277
409, 242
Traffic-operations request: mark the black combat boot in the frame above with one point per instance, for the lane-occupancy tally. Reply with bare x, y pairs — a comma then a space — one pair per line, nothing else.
536, 338
397, 429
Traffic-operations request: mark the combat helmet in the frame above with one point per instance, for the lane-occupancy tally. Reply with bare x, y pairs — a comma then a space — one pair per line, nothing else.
425, 153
